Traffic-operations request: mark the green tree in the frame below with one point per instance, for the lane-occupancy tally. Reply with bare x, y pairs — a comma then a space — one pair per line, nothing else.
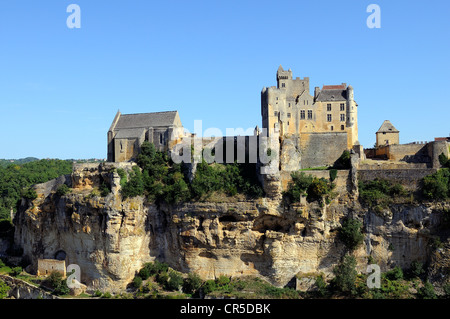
350, 233
57, 283
192, 283
175, 281
345, 275
135, 185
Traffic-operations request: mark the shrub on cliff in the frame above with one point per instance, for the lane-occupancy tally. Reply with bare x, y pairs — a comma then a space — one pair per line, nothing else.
437, 186
4, 288
350, 233
306, 185
135, 185
63, 190
380, 192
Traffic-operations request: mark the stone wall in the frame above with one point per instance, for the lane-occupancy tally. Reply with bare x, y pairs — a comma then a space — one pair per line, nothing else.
321, 149
409, 178
411, 153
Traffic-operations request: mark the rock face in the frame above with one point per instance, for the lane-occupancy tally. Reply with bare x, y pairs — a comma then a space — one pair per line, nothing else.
110, 238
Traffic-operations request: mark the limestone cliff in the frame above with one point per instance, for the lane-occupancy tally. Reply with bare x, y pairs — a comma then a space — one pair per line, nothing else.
110, 238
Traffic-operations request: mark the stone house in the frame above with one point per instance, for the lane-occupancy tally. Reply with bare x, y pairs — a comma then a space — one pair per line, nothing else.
129, 131
47, 266
387, 134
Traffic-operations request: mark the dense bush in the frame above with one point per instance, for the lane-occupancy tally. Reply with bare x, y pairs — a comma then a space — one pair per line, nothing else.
306, 185
379, 192
175, 281
135, 184
437, 186
427, 291
4, 288
394, 274
56, 282
192, 283
63, 190
345, 275
230, 178
350, 233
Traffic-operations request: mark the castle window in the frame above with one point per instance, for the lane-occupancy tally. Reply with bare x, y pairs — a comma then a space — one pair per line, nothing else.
332, 127
329, 107
309, 114
329, 117
289, 115
342, 117
342, 127
283, 85
289, 105
160, 138
302, 114
342, 107
275, 113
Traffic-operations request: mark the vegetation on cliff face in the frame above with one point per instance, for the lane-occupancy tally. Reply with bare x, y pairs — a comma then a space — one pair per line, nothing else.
313, 188
16, 180
161, 180
437, 186
380, 192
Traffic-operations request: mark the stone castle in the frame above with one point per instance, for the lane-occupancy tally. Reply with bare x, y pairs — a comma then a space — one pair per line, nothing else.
321, 126
110, 237
311, 130
290, 108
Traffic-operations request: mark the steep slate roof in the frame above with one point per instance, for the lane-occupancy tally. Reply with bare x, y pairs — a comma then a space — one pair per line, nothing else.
329, 95
131, 133
387, 127
146, 120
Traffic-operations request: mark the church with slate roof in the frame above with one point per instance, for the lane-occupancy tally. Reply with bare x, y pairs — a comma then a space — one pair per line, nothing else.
129, 131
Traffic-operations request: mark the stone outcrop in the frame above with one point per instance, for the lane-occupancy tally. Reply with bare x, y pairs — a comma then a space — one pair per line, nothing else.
110, 238
20, 289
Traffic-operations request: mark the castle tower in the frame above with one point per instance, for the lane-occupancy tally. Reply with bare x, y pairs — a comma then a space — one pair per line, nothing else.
352, 117
283, 77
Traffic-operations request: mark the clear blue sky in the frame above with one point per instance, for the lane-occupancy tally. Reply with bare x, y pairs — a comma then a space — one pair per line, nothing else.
60, 88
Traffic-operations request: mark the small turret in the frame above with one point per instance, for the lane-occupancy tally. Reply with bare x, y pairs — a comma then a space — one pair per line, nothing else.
351, 107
